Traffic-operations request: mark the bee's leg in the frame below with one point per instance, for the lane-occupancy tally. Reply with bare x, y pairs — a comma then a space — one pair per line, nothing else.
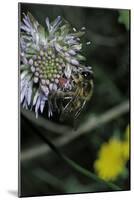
55, 98
63, 97
80, 103
76, 80
57, 101
65, 110
60, 101
61, 107
79, 110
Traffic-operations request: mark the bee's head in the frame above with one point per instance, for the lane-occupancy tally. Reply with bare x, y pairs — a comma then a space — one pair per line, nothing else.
87, 73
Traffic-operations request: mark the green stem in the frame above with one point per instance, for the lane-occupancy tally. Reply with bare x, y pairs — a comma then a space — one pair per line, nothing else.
89, 174
75, 166
80, 169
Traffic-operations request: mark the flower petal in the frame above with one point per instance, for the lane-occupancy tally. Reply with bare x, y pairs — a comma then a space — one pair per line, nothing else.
48, 23
67, 71
35, 97
42, 104
29, 93
37, 106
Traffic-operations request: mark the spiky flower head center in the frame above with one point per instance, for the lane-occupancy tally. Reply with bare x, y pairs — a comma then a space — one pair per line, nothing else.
47, 67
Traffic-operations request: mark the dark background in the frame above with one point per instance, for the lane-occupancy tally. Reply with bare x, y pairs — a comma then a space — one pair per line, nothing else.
108, 54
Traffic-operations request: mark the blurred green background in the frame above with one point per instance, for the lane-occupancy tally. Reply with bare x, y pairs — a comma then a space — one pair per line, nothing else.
42, 172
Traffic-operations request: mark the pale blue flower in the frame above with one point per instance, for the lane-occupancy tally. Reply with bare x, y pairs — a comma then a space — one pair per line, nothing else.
50, 55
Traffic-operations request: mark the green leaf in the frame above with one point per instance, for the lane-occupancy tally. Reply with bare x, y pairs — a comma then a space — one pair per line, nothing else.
65, 29
78, 34
124, 18
42, 33
80, 57
32, 19
23, 67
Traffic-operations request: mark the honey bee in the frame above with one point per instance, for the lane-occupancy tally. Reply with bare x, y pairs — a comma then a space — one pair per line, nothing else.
69, 104
82, 93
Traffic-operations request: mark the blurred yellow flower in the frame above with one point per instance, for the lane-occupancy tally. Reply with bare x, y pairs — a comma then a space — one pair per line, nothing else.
110, 162
125, 144
125, 150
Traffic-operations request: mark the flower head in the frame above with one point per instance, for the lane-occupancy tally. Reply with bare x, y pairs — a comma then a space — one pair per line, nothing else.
110, 163
125, 150
50, 59
112, 157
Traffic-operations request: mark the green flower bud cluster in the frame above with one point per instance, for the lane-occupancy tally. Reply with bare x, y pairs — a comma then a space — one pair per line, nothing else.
47, 66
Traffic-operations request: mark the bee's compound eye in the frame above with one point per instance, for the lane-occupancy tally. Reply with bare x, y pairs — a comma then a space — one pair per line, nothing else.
87, 74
